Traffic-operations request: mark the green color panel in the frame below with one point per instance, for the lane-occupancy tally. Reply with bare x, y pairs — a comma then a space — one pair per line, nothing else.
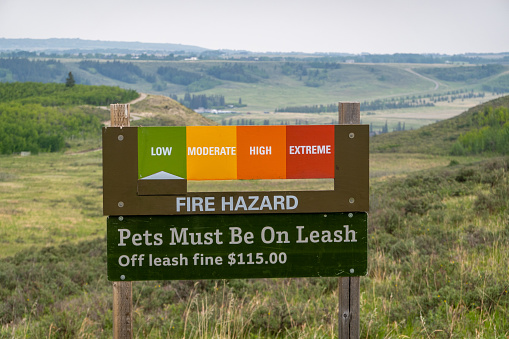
162, 149
237, 246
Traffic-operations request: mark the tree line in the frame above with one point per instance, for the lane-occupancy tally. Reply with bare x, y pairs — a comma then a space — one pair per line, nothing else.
331, 108
203, 101
22, 70
313, 73
195, 82
195, 101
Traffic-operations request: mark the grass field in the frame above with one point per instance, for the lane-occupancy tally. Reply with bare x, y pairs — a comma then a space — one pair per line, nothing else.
50, 199
438, 250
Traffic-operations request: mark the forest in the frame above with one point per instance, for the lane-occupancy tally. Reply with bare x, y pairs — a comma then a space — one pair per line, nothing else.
40, 117
194, 81
490, 133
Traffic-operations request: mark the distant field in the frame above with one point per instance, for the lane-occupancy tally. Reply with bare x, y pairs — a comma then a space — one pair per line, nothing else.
413, 118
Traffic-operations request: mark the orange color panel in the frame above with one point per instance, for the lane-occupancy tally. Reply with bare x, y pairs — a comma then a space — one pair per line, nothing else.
261, 152
211, 152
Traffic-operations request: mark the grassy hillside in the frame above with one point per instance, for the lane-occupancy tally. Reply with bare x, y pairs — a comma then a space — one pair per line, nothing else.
437, 138
158, 110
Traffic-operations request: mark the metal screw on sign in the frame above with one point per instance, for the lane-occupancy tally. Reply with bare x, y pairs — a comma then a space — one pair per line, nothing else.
120, 218
351, 200
120, 137
352, 270
121, 204
122, 277
351, 135
350, 215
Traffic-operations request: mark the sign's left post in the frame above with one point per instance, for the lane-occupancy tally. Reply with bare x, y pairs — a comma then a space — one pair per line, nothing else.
122, 290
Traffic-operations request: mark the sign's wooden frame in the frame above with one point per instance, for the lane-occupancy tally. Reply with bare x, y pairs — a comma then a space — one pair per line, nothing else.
124, 195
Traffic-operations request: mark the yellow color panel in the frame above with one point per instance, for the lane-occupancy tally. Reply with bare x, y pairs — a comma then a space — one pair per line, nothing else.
211, 152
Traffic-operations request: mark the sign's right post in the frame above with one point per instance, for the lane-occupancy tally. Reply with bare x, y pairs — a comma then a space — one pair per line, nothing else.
349, 287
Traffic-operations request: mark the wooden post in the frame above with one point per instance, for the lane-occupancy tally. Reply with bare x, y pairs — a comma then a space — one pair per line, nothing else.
120, 115
122, 290
349, 288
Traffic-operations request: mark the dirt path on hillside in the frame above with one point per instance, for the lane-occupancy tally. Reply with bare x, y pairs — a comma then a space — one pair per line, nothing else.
140, 98
132, 102
437, 84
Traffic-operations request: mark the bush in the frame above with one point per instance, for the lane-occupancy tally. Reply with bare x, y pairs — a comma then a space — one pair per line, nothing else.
40, 117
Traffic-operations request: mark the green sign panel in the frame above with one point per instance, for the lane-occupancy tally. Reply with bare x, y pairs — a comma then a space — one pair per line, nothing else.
237, 246
162, 153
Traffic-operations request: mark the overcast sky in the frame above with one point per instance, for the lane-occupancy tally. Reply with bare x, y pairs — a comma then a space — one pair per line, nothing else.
349, 26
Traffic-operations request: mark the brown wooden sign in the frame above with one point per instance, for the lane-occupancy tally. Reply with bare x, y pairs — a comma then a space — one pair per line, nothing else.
127, 192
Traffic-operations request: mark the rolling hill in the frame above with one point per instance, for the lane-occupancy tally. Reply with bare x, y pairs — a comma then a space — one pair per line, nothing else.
437, 138
158, 110
39, 117
393, 95
84, 46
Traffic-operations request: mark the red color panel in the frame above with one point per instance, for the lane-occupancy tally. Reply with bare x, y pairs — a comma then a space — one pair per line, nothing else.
309, 152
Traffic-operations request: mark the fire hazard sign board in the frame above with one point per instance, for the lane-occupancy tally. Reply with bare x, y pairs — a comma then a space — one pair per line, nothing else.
146, 169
